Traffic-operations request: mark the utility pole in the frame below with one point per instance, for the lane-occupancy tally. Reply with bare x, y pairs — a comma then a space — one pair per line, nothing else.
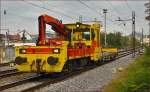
105, 11
133, 32
7, 33
80, 18
142, 39
5, 18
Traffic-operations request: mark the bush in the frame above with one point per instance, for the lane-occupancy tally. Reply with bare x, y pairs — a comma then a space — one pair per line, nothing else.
136, 78
147, 50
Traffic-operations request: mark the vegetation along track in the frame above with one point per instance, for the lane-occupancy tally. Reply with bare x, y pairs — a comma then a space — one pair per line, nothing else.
65, 76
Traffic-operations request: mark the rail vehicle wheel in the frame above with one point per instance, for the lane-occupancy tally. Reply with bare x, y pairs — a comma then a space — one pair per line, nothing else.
103, 59
82, 63
70, 65
110, 58
41, 73
65, 68
99, 62
92, 62
114, 57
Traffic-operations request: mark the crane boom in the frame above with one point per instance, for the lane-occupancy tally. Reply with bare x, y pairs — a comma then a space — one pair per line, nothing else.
56, 25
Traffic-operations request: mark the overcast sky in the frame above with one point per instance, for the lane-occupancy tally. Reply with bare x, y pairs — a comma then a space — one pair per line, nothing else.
24, 14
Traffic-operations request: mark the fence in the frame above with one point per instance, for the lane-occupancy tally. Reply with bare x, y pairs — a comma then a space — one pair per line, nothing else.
7, 54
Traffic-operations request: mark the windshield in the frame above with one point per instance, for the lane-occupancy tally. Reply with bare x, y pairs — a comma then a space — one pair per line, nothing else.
86, 35
81, 35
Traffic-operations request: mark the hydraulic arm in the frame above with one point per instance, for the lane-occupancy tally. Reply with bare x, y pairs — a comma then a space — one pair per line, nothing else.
57, 26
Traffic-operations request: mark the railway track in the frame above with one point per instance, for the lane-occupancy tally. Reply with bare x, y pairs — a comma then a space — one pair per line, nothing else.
20, 82
122, 54
9, 74
4, 64
51, 80
7, 71
69, 75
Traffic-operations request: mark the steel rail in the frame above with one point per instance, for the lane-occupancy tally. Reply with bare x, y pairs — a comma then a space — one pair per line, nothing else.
20, 82
4, 64
69, 75
10, 74
7, 71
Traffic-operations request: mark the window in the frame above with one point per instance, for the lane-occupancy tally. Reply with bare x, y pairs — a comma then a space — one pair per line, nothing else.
86, 35
50, 33
92, 34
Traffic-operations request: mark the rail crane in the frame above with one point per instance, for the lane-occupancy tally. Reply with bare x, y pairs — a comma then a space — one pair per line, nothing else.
60, 47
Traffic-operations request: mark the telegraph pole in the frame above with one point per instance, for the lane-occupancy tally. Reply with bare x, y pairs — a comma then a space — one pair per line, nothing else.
105, 11
133, 33
80, 18
142, 39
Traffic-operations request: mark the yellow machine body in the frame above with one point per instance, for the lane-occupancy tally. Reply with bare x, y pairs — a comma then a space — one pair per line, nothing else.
31, 64
36, 59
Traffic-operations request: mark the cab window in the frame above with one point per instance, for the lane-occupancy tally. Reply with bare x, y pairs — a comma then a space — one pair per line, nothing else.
86, 35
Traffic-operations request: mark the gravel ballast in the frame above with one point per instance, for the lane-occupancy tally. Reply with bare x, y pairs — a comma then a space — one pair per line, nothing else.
90, 81
5, 68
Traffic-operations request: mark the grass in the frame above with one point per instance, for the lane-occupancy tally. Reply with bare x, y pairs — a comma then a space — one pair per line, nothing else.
135, 78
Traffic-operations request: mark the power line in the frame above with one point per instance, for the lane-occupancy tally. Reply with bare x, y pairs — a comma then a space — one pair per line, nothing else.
130, 8
56, 7
115, 9
42, 7
128, 5
97, 12
110, 19
117, 12
90, 8
14, 14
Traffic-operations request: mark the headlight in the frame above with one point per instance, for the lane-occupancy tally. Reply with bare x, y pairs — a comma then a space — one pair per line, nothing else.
23, 51
56, 51
78, 25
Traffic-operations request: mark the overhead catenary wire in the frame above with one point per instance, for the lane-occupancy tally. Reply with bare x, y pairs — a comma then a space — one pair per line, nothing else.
19, 16
98, 12
66, 15
128, 5
114, 8
56, 7
110, 20
130, 8
90, 8
117, 12
42, 7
